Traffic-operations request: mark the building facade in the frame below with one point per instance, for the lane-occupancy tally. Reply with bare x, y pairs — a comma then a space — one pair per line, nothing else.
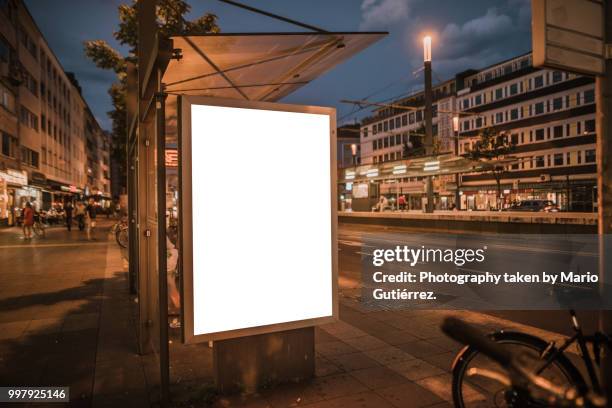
547, 116
398, 131
43, 120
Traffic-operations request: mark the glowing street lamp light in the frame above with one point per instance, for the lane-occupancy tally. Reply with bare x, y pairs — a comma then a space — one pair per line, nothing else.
427, 48
455, 124
354, 152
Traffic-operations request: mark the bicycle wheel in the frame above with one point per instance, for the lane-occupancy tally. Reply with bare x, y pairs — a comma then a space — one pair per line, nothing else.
121, 236
477, 391
38, 229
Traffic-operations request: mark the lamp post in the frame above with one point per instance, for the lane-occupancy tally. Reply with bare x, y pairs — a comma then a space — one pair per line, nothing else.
456, 134
428, 117
354, 153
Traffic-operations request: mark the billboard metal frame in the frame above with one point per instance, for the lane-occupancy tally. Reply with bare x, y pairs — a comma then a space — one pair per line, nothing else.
185, 221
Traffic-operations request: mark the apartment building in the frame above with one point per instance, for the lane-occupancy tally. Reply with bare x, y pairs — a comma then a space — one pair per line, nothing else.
549, 117
43, 121
397, 132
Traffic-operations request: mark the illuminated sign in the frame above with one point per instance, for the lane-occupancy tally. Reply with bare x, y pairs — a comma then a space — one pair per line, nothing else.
171, 158
257, 266
15, 177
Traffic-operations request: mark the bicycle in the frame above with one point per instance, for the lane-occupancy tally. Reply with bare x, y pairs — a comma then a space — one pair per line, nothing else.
120, 230
39, 227
538, 373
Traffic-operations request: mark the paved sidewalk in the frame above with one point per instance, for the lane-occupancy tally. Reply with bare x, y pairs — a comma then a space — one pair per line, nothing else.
66, 319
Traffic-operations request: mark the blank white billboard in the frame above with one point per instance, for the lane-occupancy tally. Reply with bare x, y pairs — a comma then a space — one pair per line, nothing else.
262, 217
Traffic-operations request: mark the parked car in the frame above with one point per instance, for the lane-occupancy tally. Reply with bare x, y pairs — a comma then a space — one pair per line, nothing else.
534, 206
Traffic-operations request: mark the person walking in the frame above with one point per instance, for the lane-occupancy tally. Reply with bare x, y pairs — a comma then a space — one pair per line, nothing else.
68, 211
80, 215
28, 221
91, 219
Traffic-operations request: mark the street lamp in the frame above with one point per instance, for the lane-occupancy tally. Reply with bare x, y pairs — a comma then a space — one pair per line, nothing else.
428, 117
427, 48
456, 134
354, 152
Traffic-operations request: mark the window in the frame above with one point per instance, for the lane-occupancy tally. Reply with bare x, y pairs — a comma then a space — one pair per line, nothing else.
411, 118
374, 145
539, 161
28, 118
466, 125
539, 134
514, 139
568, 158
557, 104
589, 156
499, 93
478, 122
513, 89
398, 139
589, 125
7, 99
9, 145
405, 120
419, 116
398, 122
385, 126
365, 132
557, 76
514, 114
391, 141
27, 42
391, 124
539, 108
380, 127
375, 159
466, 103
386, 142
478, 100
579, 156
524, 63
538, 81
589, 96
29, 157
43, 122
499, 117
5, 50
558, 132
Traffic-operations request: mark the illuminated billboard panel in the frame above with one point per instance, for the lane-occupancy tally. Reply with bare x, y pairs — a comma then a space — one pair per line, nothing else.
259, 227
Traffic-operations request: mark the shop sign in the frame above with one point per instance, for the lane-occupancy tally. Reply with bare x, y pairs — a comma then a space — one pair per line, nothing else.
171, 158
15, 177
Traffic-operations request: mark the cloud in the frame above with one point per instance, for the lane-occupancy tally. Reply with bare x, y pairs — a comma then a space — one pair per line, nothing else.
379, 14
476, 35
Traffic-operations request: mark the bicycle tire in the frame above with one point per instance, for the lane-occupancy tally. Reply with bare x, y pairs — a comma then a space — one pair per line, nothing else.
38, 230
468, 353
122, 238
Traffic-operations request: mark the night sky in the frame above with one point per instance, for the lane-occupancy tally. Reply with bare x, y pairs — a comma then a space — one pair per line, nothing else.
466, 34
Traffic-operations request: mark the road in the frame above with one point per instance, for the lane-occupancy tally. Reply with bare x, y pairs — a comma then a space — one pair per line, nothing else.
356, 241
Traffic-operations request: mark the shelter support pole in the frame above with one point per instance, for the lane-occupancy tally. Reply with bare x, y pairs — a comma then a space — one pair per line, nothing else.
160, 112
428, 133
245, 364
604, 186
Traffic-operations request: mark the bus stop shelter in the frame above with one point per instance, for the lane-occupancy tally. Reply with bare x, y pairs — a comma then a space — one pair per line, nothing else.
244, 66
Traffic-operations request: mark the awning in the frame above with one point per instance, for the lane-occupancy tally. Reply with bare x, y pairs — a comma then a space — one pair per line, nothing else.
257, 66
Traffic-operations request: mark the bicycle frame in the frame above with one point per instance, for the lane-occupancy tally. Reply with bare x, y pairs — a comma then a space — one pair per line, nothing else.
582, 341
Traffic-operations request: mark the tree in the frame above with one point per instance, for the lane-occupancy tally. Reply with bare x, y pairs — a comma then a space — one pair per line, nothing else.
490, 148
170, 22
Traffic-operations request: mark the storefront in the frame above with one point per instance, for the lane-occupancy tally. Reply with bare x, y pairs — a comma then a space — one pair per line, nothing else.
14, 193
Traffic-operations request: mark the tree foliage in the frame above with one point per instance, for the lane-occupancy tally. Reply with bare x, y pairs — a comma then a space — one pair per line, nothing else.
171, 21
491, 147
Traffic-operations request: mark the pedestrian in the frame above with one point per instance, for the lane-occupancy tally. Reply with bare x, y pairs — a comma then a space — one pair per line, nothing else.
401, 202
28, 221
91, 219
68, 211
80, 215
